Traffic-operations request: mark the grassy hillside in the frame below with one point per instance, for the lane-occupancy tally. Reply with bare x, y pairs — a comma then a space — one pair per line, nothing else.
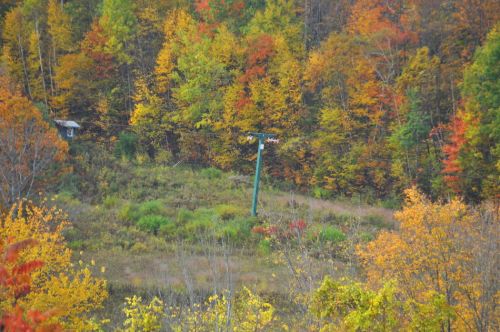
186, 232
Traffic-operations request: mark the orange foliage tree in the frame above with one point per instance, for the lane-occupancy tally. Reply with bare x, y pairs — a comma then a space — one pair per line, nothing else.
445, 249
29, 148
349, 141
452, 168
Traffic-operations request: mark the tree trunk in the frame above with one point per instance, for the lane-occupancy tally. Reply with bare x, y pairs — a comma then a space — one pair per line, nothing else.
25, 70
41, 64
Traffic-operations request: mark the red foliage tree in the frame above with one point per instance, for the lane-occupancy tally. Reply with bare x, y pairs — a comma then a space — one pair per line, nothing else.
452, 168
93, 46
259, 51
213, 12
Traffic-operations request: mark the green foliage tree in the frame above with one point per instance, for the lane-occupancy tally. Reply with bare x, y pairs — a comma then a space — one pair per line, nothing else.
119, 23
481, 90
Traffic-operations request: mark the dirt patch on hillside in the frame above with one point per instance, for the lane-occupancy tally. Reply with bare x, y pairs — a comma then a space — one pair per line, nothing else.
336, 207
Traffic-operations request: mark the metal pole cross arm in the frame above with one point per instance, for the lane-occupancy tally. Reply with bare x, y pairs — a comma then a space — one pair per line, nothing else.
262, 138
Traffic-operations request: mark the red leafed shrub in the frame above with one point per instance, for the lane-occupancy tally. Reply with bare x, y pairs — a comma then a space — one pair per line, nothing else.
259, 230
297, 225
267, 231
32, 321
15, 279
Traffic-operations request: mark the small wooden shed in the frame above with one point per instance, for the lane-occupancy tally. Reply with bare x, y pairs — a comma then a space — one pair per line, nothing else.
67, 128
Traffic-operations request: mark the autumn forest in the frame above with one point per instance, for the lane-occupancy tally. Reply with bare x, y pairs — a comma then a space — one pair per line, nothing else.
126, 165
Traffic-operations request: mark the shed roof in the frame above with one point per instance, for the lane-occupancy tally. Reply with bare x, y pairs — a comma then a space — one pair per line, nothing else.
67, 123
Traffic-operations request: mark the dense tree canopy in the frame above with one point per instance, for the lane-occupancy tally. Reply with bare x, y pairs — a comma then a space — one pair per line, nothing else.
367, 97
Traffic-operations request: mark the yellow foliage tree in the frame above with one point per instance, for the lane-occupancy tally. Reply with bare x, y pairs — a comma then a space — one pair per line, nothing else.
59, 28
142, 317
76, 88
247, 313
179, 22
150, 120
443, 248
69, 293
252, 313
348, 144
15, 44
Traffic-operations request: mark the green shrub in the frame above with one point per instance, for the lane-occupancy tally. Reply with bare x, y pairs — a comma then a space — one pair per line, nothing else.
196, 227
202, 216
264, 247
342, 218
322, 193
70, 183
245, 225
227, 212
163, 157
168, 229
203, 213
393, 203
312, 233
129, 212
134, 213
184, 215
331, 234
237, 231
76, 245
366, 237
139, 248
152, 223
126, 145
211, 173
336, 218
197, 222
110, 201
72, 234
150, 208
377, 221
66, 198
230, 233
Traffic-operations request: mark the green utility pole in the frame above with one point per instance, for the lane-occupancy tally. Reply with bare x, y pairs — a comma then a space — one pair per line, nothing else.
262, 138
